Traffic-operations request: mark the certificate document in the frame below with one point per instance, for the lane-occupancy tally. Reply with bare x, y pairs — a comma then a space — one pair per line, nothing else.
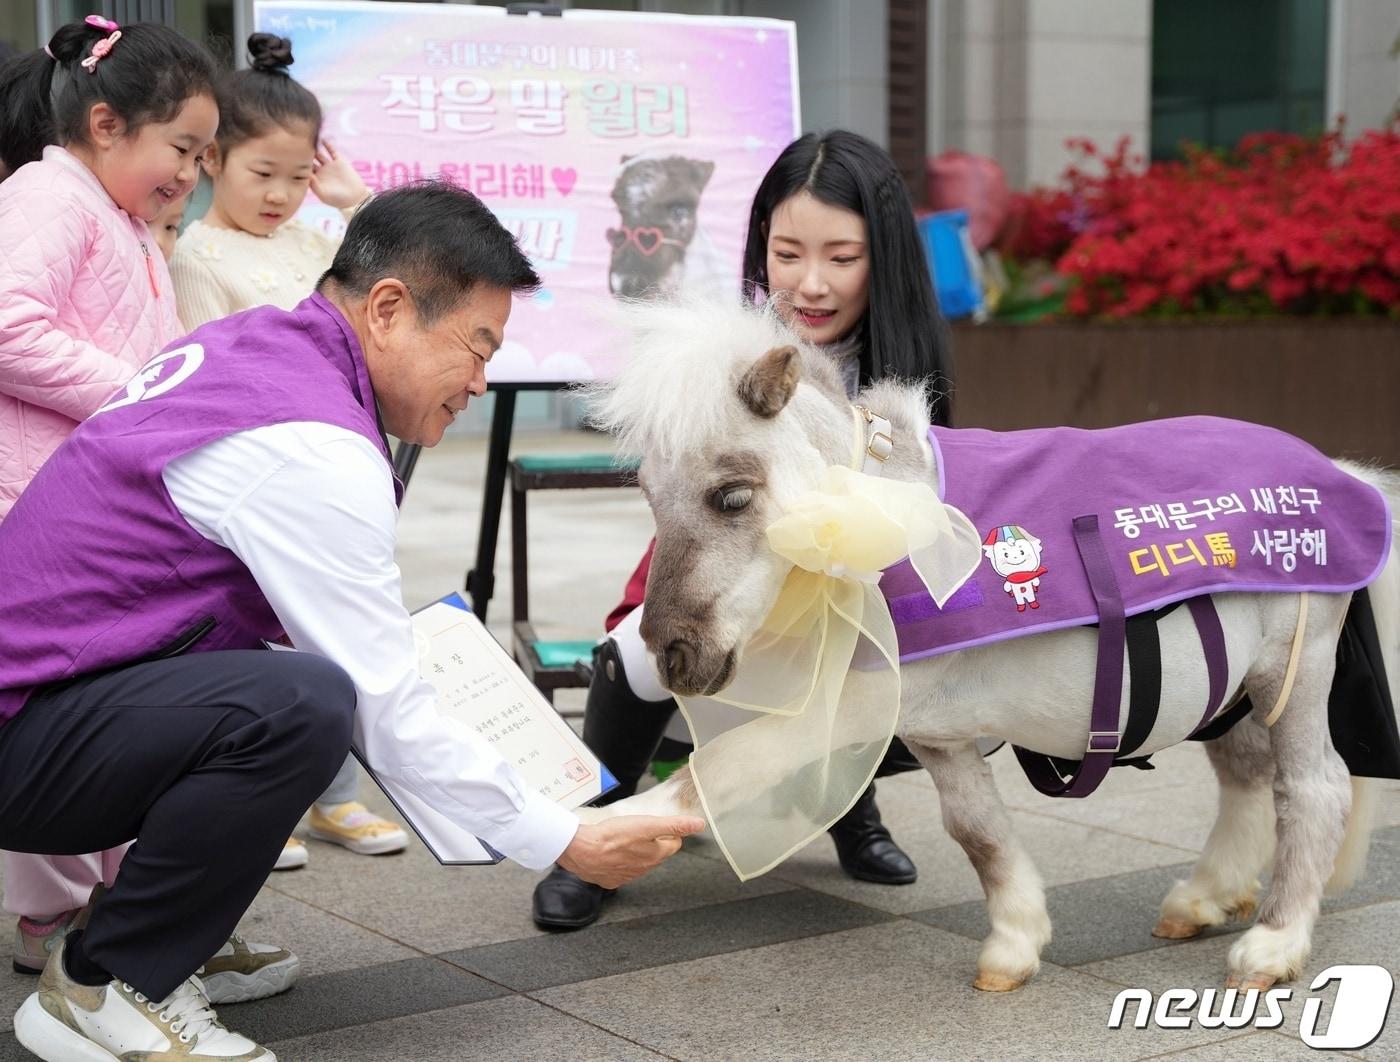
480, 686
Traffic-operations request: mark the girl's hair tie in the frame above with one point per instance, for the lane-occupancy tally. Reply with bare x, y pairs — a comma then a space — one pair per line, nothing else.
102, 47
99, 50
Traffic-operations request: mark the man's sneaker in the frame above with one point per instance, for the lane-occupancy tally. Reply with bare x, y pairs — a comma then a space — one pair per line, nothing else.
68, 1022
34, 941
293, 855
240, 972
355, 827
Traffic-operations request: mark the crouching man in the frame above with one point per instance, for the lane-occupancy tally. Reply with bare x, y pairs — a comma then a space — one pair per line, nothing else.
237, 490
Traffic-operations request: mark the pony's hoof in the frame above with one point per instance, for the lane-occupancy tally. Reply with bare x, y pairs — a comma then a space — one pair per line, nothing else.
993, 982
1262, 982
1175, 929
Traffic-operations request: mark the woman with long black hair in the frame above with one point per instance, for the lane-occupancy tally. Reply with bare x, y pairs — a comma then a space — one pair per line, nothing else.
832, 238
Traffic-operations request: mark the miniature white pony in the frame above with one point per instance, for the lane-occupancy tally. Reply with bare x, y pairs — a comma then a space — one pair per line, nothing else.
734, 418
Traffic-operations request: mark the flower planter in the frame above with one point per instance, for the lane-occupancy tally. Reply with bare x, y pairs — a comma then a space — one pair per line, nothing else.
1334, 382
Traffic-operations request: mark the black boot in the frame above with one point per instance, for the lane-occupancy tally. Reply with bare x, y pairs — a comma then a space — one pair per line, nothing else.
865, 848
563, 900
619, 727
898, 759
624, 732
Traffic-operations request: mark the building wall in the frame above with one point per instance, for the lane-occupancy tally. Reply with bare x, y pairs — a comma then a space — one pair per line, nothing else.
1014, 78
1363, 79
841, 62
1020, 77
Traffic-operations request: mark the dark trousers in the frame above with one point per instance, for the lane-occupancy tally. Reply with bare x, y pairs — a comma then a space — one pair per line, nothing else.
208, 760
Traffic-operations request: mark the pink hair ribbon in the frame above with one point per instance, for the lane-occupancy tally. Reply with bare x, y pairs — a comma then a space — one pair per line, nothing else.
102, 47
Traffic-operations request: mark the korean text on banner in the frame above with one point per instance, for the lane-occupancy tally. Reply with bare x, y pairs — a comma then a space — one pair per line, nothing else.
622, 150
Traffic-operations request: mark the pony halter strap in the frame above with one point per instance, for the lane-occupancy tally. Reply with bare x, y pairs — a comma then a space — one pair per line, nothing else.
874, 442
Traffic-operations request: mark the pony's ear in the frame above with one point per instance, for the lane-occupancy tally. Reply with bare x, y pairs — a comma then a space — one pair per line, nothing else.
770, 382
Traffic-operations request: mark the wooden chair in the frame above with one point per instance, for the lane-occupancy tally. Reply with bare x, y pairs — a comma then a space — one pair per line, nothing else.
552, 665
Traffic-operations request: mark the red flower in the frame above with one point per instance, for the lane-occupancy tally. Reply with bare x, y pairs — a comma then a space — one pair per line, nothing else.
1302, 225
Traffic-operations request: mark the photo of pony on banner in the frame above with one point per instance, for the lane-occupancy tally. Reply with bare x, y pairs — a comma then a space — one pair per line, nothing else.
622, 150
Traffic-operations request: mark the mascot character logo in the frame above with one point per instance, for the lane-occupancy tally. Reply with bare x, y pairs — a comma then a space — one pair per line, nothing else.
1014, 554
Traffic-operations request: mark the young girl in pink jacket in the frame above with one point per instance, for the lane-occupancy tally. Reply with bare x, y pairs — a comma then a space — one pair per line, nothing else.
98, 132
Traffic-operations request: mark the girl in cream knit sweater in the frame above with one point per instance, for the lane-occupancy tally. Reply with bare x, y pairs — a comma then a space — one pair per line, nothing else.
248, 251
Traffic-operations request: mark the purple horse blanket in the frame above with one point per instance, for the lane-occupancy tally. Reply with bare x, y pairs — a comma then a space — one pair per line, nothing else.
1185, 507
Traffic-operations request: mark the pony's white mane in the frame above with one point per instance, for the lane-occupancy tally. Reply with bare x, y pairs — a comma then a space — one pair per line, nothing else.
677, 389
684, 360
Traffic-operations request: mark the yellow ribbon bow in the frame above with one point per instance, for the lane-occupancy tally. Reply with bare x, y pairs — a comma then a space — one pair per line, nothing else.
795, 739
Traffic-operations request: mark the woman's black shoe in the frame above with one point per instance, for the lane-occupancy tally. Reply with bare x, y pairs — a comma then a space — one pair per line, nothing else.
563, 900
865, 848
623, 731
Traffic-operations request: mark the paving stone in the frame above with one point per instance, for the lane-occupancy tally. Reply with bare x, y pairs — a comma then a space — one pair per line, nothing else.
1355, 936
896, 991
640, 943
323, 941
1061, 850
510, 1029
1104, 917
359, 997
413, 899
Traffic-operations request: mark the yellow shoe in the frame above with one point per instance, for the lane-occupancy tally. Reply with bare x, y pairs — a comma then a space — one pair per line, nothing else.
293, 855
354, 826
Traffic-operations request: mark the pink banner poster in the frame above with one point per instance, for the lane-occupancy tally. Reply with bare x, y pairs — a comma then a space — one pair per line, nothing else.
622, 150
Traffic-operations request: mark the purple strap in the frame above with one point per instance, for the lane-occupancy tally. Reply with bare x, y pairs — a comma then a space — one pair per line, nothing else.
1105, 734
1213, 646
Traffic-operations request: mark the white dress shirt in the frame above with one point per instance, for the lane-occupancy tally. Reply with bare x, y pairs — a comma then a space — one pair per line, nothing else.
309, 509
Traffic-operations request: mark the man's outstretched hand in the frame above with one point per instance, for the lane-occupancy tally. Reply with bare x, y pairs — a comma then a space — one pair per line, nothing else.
616, 851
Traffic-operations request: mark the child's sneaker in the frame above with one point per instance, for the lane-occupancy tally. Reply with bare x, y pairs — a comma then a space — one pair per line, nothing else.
35, 941
241, 971
293, 855
68, 1022
355, 827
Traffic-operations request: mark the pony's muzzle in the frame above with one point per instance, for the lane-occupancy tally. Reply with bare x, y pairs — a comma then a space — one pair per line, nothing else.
684, 670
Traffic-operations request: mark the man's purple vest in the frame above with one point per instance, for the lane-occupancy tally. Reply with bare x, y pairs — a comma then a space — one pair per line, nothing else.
1185, 508
99, 567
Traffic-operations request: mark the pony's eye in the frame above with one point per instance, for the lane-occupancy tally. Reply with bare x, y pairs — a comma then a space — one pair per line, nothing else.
731, 499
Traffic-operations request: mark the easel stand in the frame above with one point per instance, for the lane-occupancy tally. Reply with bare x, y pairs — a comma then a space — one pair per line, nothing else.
550, 665
481, 578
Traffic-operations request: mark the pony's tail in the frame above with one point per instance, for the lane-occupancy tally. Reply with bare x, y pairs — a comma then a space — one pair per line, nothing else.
1356, 841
